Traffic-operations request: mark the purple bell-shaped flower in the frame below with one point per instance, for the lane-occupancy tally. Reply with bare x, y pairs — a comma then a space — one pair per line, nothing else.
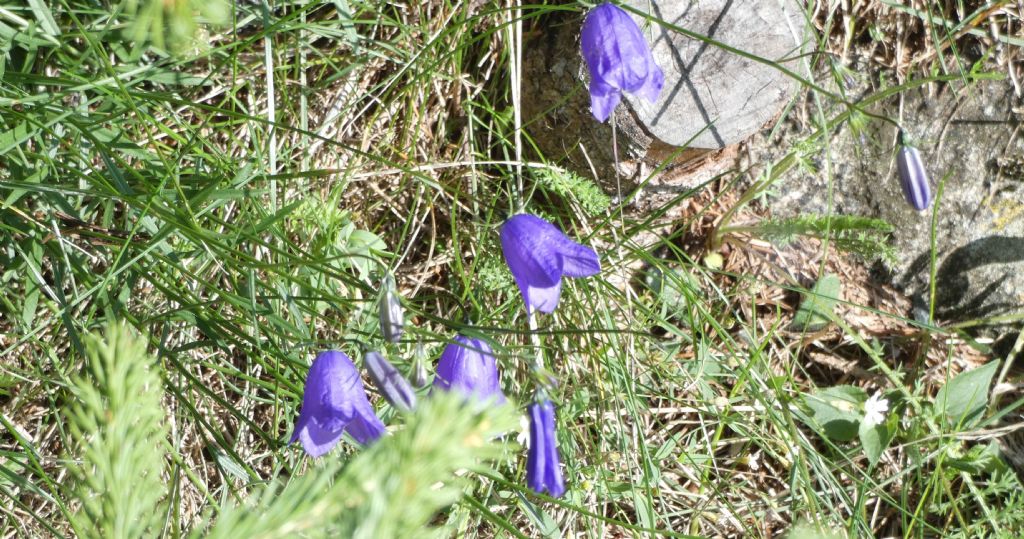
334, 402
538, 254
619, 60
468, 367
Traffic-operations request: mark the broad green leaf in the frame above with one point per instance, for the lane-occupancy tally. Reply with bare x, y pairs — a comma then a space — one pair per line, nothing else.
837, 411
816, 307
874, 439
963, 399
544, 523
669, 285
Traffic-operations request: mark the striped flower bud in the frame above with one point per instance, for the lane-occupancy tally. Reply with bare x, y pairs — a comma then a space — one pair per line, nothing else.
391, 315
420, 377
391, 384
913, 176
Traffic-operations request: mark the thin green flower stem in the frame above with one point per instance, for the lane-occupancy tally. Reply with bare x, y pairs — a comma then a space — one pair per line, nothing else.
515, 66
933, 266
268, 59
537, 366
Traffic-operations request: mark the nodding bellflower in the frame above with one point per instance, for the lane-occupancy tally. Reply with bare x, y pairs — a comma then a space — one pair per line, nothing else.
467, 366
618, 58
334, 402
543, 471
913, 176
389, 381
538, 254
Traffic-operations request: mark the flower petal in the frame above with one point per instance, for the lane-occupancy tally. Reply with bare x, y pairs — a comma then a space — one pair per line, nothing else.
317, 440
543, 470
578, 260
652, 85
342, 388
530, 245
300, 425
603, 99
332, 399
618, 56
468, 366
552, 471
366, 427
537, 453
527, 251
543, 299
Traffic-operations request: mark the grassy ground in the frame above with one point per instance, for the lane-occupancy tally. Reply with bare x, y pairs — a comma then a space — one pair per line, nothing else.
239, 200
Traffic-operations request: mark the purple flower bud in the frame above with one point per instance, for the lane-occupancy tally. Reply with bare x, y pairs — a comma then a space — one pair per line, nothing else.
468, 366
391, 316
334, 402
913, 177
619, 60
389, 381
538, 254
543, 471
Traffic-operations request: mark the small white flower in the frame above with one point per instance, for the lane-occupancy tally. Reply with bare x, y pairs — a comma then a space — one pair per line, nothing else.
875, 410
523, 438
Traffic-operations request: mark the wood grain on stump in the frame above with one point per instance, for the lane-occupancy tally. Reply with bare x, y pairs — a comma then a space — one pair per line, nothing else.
714, 97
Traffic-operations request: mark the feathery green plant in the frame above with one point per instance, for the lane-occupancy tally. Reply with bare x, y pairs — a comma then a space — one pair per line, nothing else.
171, 23
117, 422
391, 489
570, 186
865, 237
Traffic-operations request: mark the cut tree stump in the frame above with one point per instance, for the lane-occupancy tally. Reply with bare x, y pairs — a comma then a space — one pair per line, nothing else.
713, 98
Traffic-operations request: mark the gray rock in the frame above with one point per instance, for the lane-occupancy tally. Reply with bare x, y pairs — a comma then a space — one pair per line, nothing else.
970, 140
